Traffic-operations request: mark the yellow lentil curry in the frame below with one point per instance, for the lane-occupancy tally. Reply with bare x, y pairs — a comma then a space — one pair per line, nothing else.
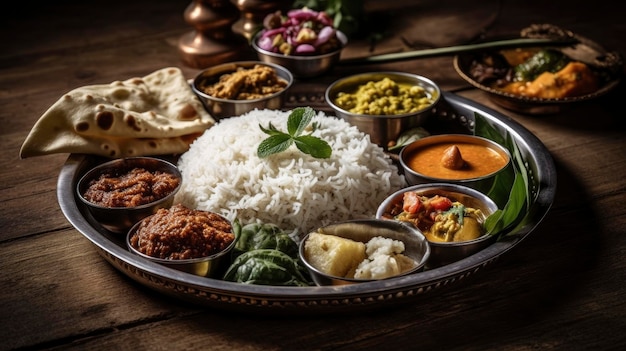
384, 97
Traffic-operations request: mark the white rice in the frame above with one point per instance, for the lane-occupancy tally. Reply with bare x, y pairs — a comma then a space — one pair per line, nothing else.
222, 173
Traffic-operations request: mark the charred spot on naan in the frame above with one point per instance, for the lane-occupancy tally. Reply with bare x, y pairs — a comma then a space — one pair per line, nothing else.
188, 113
136, 81
81, 127
132, 123
104, 120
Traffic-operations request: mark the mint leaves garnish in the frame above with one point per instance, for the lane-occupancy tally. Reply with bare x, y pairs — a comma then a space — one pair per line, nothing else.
299, 119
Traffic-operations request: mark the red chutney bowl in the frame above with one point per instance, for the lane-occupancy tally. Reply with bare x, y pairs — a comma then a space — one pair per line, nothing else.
170, 236
118, 216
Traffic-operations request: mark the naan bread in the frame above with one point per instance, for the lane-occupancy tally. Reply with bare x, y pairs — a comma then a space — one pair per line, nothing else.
156, 114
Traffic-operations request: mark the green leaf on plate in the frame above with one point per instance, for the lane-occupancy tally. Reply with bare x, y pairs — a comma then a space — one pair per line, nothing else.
408, 137
313, 146
511, 189
298, 121
274, 144
270, 130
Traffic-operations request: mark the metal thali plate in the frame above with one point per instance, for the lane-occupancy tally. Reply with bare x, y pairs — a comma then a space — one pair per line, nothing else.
453, 110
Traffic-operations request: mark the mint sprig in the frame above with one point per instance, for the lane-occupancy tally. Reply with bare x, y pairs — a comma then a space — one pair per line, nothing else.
278, 141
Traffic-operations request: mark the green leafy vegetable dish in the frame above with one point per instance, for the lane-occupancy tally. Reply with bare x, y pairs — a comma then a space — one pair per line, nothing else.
265, 255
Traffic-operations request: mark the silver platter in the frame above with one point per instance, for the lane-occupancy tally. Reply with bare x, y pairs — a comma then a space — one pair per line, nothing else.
454, 111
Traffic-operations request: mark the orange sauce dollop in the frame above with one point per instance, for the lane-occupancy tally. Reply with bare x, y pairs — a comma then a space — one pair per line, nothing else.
479, 160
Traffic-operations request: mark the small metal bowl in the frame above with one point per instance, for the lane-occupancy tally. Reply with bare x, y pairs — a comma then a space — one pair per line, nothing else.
120, 219
443, 253
362, 230
481, 183
221, 108
302, 66
383, 129
209, 266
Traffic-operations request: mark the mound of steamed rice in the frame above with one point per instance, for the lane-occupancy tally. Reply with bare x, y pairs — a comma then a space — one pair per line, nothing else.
222, 173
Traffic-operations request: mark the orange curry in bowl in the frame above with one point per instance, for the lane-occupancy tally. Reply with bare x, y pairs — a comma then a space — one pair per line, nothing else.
455, 160
453, 157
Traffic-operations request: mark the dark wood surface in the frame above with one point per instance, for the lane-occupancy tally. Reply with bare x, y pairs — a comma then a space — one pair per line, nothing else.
563, 288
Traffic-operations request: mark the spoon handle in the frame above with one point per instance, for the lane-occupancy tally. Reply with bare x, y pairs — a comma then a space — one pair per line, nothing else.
461, 48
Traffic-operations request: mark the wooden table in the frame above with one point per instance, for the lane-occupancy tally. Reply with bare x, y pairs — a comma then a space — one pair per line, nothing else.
562, 288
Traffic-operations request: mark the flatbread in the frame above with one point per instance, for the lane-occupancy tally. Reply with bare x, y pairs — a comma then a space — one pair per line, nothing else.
153, 115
